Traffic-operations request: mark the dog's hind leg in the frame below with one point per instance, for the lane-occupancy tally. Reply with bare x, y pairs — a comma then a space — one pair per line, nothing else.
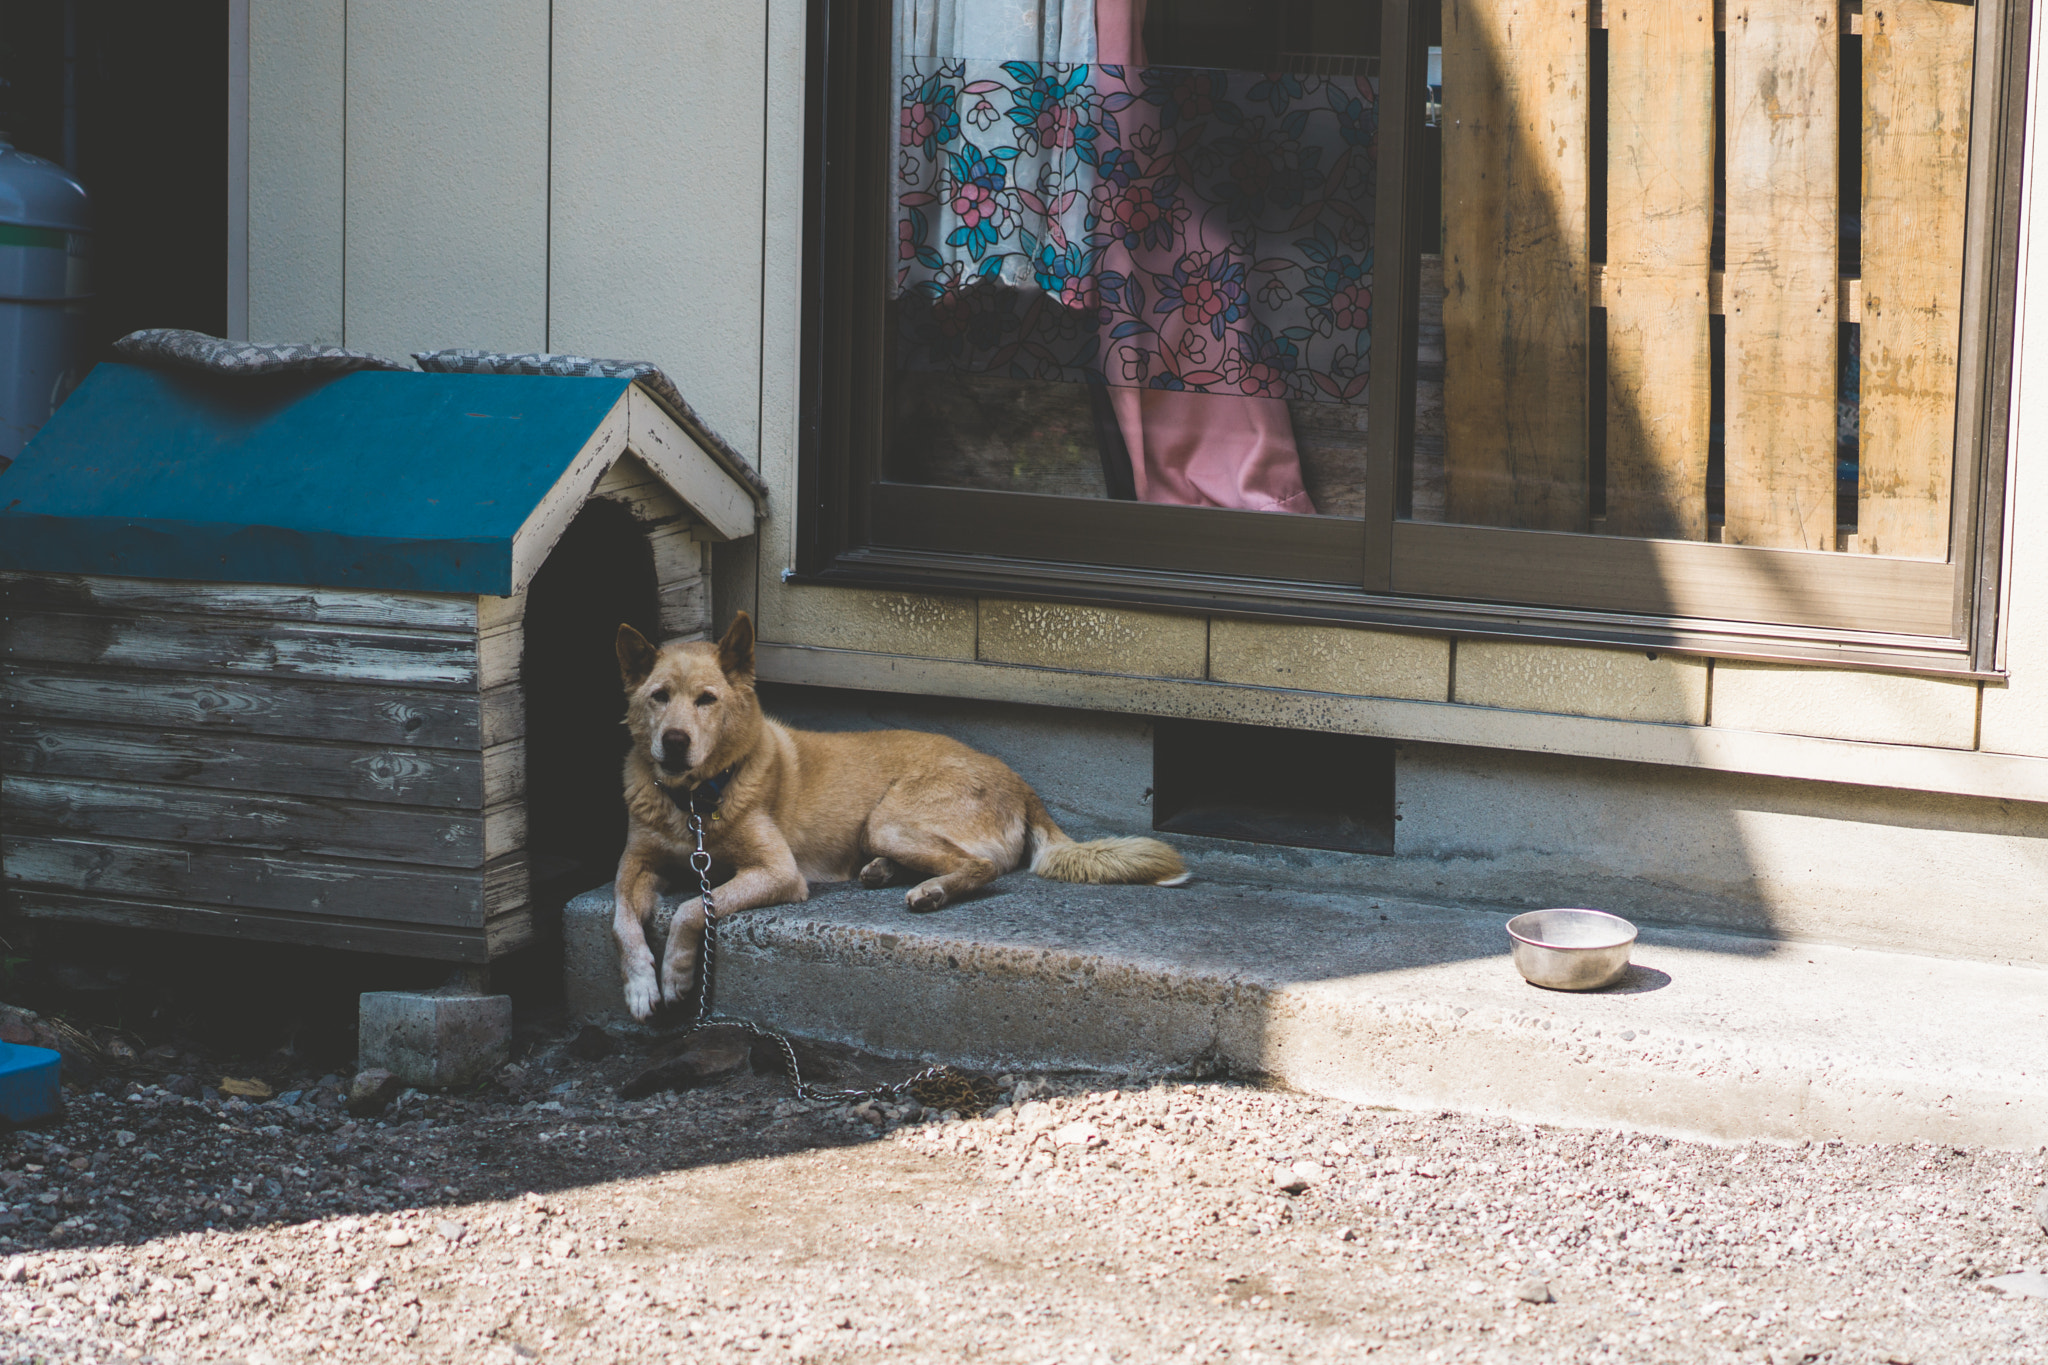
950, 871
879, 872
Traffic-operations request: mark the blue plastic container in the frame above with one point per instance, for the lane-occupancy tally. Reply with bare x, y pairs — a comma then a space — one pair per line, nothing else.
28, 1083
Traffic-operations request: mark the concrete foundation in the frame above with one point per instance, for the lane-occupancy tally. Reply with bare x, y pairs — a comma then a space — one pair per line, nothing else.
1393, 1002
1916, 872
433, 1039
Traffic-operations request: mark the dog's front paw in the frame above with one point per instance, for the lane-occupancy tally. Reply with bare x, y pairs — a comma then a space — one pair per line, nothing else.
643, 993
678, 976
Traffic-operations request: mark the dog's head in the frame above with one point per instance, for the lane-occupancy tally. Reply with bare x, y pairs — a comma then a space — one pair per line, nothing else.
690, 706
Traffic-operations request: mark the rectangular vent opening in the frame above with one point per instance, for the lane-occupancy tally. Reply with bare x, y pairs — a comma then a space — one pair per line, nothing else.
1266, 785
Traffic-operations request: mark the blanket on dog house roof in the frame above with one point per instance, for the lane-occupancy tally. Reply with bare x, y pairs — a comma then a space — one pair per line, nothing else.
380, 480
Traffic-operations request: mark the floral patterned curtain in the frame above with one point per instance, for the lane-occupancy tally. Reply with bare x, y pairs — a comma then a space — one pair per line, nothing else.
1195, 230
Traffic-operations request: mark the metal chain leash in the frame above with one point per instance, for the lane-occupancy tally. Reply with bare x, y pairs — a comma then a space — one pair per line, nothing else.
700, 863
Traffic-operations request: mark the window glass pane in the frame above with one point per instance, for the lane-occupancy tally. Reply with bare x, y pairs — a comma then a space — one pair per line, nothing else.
1692, 283
1132, 249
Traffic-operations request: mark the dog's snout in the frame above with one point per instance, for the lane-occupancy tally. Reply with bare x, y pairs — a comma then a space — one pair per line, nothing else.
675, 750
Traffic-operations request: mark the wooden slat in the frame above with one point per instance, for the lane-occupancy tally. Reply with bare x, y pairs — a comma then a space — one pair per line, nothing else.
441, 779
1516, 253
205, 645
24, 592
1660, 231
277, 824
269, 926
1916, 162
503, 715
631, 482
508, 884
250, 881
1783, 81
282, 707
504, 772
499, 654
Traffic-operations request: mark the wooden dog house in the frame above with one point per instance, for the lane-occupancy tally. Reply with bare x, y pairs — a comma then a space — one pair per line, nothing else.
328, 661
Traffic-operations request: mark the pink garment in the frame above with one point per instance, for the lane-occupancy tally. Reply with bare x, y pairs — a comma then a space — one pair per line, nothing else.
1193, 449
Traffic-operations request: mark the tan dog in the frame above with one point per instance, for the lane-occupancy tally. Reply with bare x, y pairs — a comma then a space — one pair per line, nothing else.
795, 807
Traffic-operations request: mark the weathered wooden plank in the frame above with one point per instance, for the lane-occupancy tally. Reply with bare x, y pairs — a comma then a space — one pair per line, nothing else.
267, 926
722, 506
1916, 162
633, 484
248, 881
504, 829
504, 772
494, 613
443, 779
513, 929
179, 644
498, 655
503, 715
686, 609
508, 884
282, 707
275, 824
24, 592
1783, 78
1516, 251
1660, 232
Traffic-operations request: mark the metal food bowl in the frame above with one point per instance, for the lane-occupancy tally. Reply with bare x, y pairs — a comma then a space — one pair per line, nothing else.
1571, 950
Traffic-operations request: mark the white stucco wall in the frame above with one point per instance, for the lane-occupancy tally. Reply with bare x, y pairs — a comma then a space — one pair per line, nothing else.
627, 179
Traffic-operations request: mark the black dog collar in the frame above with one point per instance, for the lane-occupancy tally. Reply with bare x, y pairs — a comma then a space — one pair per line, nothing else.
705, 797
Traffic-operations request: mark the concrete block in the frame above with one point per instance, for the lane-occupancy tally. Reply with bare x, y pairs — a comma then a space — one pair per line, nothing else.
1624, 684
1885, 708
1093, 639
914, 624
1358, 663
433, 1038
591, 985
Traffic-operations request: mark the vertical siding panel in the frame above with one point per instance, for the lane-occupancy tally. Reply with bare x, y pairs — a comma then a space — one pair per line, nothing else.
1515, 262
1660, 232
295, 170
1782, 262
447, 174
659, 156
1916, 163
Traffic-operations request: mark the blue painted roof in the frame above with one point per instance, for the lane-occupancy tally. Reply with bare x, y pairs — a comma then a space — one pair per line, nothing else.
399, 481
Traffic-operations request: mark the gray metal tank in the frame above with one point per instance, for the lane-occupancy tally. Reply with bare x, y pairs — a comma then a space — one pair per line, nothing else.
45, 252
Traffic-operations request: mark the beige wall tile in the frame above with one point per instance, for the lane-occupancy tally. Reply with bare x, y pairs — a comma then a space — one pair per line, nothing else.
1096, 639
1886, 708
880, 622
1626, 684
1358, 663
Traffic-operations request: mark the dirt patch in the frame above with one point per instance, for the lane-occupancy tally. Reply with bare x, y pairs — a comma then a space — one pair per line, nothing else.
1097, 1219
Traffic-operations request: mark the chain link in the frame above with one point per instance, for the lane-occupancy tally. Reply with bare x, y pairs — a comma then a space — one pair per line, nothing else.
707, 1015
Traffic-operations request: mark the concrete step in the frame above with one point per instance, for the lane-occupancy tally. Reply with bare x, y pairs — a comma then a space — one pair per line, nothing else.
1392, 1002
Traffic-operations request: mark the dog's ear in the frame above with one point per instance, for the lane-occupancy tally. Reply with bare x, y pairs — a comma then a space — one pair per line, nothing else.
736, 650
636, 656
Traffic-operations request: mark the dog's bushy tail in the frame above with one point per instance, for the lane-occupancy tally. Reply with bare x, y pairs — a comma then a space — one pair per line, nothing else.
1126, 859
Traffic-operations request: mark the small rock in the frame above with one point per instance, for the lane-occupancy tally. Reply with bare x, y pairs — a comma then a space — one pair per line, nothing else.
2041, 1210
592, 1044
2026, 1284
14, 1272
122, 1137
1534, 1291
368, 1281
1475, 1287
1077, 1134
1298, 1177
245, 1087
1347, 1234
398, 1237
450, 1229
371, 1091
186, 1086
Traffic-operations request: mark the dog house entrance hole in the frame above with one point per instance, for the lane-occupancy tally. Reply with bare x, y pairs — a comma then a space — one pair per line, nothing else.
599, 575
1273, 786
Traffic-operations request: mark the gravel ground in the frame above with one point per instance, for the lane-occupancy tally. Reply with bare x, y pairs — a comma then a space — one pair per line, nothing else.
1090, 1219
